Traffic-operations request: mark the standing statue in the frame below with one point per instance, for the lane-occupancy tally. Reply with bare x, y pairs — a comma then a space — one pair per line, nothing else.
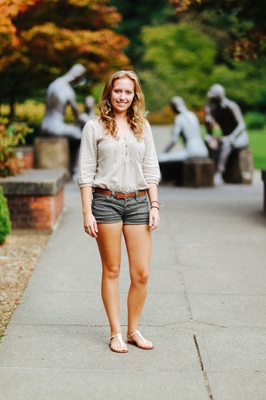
60, 93
228, 116
187, 126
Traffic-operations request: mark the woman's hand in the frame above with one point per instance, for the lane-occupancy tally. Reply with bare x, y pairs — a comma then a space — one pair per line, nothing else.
90, 225
154, 218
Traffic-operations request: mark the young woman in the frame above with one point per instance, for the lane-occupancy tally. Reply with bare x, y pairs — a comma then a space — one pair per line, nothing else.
118, 178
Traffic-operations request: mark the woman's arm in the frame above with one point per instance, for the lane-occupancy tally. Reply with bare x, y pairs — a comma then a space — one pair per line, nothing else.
89, 222
154, 206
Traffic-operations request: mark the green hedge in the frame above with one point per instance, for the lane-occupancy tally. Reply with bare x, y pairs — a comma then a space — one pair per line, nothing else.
5, 223
254, 120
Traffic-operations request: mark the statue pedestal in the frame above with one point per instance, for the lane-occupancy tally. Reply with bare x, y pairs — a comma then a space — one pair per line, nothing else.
52, 153
239, 167
198, 173
172, 172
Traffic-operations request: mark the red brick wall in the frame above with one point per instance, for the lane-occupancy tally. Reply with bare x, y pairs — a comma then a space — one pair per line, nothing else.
35, 212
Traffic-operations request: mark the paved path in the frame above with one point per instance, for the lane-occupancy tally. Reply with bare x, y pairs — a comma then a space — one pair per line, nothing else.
205, 310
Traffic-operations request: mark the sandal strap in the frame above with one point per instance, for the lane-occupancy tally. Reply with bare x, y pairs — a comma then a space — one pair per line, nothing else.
119, 337
138, 334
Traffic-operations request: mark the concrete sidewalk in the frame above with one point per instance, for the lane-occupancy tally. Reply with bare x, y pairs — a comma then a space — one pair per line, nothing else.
205, 311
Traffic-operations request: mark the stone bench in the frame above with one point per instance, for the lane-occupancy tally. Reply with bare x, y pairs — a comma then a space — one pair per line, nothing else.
196, 172
35, 198
263, 177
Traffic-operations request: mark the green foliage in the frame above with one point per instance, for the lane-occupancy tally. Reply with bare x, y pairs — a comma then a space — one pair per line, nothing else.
181, 60
11, 135
5, 223
139, 13
254, 120
177, 60
245, 82
258, 146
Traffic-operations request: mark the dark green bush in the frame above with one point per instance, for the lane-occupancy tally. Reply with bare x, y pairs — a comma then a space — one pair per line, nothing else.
5, 223
254, 120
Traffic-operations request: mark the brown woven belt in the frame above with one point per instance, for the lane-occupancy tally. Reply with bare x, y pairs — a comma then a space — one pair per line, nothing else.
120, 195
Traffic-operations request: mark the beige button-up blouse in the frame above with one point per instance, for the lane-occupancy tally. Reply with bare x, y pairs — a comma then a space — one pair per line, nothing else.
124, 164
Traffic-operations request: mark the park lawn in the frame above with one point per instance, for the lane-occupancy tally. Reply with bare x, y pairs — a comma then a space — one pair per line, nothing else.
258, 146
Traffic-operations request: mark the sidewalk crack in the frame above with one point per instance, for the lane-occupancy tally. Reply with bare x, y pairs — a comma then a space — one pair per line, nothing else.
202, 369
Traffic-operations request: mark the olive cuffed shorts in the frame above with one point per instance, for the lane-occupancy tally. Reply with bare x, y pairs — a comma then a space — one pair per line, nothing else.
109, 209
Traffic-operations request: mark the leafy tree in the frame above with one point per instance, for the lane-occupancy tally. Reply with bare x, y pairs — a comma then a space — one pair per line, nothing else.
245, 82
137, 14
178, 60
247, 36
41, 39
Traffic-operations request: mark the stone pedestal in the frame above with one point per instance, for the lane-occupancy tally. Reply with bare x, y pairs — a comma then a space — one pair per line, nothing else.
198, 173
52, 153
239, 167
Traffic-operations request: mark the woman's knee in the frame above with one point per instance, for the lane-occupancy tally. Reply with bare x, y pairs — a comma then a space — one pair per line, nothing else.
111, 271
140, 277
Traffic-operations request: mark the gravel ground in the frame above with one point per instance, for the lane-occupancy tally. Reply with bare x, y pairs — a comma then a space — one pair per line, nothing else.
18, 258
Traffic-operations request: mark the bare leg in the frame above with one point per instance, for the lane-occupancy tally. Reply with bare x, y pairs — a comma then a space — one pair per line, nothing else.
223, 157
222, 160
138, 242
109, 243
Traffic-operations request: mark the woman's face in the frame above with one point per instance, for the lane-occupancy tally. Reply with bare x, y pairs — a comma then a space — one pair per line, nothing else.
122, 95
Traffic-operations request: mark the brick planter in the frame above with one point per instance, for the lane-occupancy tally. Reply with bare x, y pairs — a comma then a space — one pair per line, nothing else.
35, 198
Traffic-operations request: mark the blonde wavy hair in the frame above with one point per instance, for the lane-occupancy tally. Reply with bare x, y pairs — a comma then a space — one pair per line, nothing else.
136, 112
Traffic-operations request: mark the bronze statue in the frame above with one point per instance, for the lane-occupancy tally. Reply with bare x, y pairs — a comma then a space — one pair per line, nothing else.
187, 126
228, 116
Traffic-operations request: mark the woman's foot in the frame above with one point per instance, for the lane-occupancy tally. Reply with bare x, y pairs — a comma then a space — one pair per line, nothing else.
138, 340
117, 344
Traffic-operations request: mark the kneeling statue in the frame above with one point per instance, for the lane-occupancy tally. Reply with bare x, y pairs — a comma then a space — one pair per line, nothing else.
187, 126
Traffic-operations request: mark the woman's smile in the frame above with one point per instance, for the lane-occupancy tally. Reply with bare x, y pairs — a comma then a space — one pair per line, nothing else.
122, 94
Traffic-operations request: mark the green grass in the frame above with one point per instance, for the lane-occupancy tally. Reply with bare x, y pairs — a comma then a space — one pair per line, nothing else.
258, 146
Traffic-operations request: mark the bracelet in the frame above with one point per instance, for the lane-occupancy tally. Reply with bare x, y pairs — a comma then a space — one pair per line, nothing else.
155, 201
155, 207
